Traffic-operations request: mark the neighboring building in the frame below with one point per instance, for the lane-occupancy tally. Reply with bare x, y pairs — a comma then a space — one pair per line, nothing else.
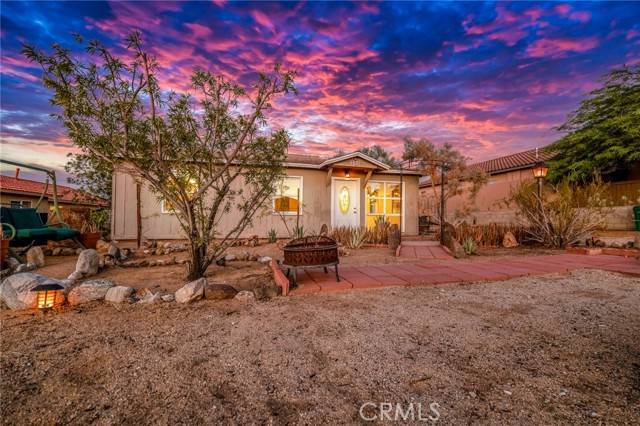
350, 190
16, 192
504, 174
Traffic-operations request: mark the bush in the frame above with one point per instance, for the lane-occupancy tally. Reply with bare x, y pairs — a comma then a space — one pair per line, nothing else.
272, 236
564, 214
469, 246
488, 235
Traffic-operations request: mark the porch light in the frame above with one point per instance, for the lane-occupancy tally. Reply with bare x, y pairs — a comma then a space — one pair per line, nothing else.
347, 173
540, 170
49, 295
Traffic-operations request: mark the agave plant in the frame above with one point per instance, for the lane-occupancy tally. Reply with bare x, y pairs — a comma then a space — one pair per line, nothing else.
272, 236
469, 246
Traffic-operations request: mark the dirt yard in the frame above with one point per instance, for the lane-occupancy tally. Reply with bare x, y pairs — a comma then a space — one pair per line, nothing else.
547, 350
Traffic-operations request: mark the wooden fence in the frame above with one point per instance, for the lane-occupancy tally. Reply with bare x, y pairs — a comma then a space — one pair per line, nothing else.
625, 193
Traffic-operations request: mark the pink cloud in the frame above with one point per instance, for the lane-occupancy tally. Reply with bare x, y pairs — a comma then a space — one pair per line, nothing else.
562, 9
581, 16
560, 47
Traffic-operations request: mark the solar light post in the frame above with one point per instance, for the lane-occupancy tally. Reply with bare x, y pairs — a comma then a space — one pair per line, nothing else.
49, 295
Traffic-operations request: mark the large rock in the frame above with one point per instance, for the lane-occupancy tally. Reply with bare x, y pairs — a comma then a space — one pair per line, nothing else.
88, 262
15, 291
219, 292
119, 294
35, 255
89, 291
102, 247
509, 240
245, 296
26, 267
191, 292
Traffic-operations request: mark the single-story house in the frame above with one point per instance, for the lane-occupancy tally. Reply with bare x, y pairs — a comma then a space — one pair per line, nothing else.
349, 190
505, 174
16, 192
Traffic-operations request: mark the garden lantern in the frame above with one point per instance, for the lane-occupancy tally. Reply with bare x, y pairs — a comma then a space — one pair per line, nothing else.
49, 295
540, 171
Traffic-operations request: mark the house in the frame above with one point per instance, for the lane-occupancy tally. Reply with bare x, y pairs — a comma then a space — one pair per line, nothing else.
16, 192
505, 174
349, 190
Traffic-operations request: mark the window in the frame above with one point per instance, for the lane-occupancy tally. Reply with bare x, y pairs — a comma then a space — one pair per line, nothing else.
288, 197
191, 188
25, 204
383, 202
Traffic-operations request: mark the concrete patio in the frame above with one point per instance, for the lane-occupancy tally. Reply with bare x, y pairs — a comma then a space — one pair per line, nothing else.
455, 271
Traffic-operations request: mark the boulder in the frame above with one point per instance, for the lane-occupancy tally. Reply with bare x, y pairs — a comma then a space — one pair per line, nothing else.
56, 251
102, 247
119, 294
219, 292
74, 276
191, 292
509, 240
89, 291
168, 297
230, 257
67, 251
35, 255
25, 267
264, 259
245, 296
88, 262
114, 251
150, 298
15, 291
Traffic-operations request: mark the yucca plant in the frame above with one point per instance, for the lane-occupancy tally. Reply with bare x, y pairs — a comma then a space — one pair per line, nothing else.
469, 246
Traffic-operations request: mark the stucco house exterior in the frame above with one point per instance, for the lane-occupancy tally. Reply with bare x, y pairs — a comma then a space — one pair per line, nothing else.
349, 190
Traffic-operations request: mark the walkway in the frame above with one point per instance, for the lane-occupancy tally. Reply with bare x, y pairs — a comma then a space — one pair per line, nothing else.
456, 271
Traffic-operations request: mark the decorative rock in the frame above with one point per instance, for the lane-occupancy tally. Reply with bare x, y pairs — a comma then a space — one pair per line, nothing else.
168, 297
88, 262
25, 267
102, 247
150, 298
509, 240
191, 291
56, 251
245, 296
89, 291
74, 276
78, 251
253, 241
219, 292
35, 256
264, 259
12, 263
114, 251
15, 291
230, 257
267, 292
119, 294
66, 251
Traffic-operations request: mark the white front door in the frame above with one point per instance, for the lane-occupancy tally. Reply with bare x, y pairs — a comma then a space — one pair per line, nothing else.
345, 202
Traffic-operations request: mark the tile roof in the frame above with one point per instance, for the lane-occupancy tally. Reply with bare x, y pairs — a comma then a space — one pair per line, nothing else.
65, 193
304, 159
519, 160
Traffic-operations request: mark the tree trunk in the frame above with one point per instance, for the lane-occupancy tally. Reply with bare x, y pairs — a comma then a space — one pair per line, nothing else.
196, 268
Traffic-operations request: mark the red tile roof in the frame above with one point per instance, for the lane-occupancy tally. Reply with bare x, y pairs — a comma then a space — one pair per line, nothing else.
65, 193
519, 160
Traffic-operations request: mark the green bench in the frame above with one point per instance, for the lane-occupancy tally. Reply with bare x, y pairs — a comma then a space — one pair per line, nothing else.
25, 227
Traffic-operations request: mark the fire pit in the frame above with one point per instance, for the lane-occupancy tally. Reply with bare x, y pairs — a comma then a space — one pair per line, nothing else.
310, 252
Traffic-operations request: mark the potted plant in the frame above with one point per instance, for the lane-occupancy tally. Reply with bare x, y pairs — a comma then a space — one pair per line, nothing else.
89, 234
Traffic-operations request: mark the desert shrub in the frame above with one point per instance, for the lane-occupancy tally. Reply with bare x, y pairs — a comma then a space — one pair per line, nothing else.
349, 236
272, 236
377, 234
469, 246
564, 214
490, 234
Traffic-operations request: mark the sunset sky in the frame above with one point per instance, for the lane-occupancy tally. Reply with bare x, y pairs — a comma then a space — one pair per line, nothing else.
490, 78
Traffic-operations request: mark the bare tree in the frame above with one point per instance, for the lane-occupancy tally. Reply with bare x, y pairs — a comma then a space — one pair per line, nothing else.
206, 155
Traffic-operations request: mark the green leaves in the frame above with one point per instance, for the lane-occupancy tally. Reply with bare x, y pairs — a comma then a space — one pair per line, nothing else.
603, 134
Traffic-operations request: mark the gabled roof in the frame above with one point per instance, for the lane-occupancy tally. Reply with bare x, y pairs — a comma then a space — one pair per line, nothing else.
356, 154
65, 194
517, 161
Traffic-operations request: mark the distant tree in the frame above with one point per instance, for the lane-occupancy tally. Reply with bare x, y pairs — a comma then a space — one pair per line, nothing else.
380, 154
459, 178
90, 173
603, 134
204, 156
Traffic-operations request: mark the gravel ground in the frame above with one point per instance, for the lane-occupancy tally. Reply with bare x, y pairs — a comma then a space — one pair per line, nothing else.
545, 350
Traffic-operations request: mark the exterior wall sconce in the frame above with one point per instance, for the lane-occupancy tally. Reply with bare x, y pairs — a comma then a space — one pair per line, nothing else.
347, 174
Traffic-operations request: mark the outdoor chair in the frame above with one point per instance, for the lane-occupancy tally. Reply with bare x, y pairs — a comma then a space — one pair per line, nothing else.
27, 227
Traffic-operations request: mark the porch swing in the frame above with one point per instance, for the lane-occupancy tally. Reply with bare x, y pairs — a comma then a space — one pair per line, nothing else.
24, 226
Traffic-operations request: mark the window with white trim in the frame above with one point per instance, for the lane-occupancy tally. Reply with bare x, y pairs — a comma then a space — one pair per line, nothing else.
288, 197
383, 202
24, 204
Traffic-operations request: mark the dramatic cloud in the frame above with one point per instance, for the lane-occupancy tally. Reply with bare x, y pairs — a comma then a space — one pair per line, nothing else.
489, 78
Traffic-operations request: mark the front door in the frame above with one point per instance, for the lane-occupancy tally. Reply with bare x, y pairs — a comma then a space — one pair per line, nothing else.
346, 202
